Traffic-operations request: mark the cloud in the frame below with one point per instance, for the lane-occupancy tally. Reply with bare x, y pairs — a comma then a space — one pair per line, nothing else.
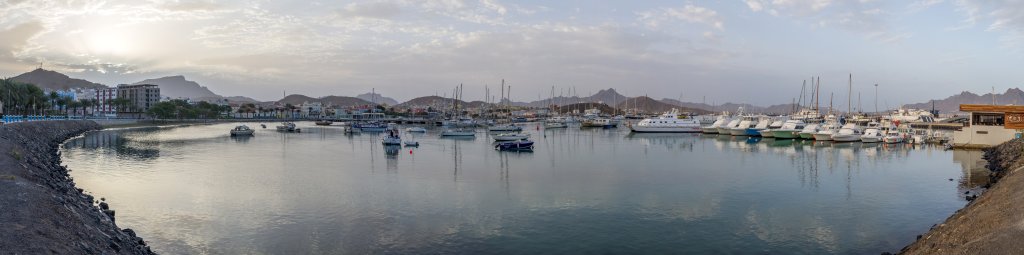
15, 40
376, 10
867, 18
688, 13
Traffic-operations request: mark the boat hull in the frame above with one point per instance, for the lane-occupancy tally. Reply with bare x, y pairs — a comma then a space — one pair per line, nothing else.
738, 132
808, 136
752, 132
870, 139
846, 138
640, 129
892, 139
723, 130
786, 134
823, 136
709, 130
767, 133
242, 132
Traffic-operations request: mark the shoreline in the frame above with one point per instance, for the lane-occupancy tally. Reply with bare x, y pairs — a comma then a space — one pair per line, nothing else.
42, 210
991, 223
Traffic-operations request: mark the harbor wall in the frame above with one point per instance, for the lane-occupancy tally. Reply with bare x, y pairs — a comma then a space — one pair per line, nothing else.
41, 210
992, 223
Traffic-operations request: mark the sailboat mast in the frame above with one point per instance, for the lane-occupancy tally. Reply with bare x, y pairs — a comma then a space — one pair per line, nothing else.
849, 97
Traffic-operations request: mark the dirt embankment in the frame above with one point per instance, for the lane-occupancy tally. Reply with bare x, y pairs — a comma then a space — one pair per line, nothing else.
993, 223
41, 211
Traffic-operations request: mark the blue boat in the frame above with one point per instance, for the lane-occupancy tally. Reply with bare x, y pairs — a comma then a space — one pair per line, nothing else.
371, 127
524, 145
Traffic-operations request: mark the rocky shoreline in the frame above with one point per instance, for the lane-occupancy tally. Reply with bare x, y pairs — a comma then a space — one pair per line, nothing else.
41, 210
992, 223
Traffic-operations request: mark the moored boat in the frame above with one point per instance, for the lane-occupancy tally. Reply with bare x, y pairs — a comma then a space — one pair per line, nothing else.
459, 132
522, 145
510, 137
850, 132
323, 122
713, 128
809, 131
288, 127
791, 129
415, 130
872, 135
669, 122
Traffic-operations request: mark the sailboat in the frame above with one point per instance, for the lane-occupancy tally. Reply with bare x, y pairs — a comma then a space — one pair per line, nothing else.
506, 127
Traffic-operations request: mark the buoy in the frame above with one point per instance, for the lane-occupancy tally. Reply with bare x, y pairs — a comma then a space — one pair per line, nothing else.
410, 151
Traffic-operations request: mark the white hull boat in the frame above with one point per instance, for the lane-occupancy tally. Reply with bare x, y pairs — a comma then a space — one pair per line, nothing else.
670, 122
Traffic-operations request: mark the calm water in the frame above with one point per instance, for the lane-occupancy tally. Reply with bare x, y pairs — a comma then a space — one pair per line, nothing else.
197, 190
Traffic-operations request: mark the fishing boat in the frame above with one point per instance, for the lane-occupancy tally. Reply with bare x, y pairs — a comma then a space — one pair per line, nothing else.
669, 122
323, 122
828, 129
242, 130
522, 145
458, 132
851, 132
872, 135
371, 127
776, 124
809, 131
746, 122
288, 127
762, 124
727, 128
893, 136
791, 129
391, 138
713, 128
510, 136
504, 128
555, 125
597, 123
416, 130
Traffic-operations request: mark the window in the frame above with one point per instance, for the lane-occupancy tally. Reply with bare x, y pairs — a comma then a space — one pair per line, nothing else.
987, 119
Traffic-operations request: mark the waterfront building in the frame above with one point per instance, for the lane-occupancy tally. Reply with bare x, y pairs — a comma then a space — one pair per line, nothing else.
104, 106
989, 125
140, 98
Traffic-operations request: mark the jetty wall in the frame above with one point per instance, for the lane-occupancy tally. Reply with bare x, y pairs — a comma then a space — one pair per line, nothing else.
41, 210
993, 223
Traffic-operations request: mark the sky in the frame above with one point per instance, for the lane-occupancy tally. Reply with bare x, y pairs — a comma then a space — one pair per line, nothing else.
751, 51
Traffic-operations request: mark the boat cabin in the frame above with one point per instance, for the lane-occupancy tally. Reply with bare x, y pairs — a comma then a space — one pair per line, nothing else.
989, 125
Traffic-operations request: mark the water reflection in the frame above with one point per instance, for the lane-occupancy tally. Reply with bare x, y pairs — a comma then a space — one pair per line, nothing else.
581, 191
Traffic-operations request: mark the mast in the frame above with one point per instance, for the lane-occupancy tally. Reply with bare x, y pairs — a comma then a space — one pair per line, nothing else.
849, 97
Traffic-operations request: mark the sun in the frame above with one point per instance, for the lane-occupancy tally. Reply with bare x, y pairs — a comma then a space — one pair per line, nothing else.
109, 42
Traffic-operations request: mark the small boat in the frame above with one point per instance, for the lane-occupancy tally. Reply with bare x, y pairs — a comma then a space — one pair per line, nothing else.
762, 124
555, 125
391, 137
597, 123
263, 125
416, 130
371, 127
791, 129
510, 137
412, 144
746, 122
872, 135
323, 122
809, 131
827, 131
727, 128
505, 128
458, 132
893, 136
713, 128
850, 132
523, 145
288, 127
242, 130
669, 122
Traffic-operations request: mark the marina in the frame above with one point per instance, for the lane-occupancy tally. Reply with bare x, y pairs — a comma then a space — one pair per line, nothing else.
721, 193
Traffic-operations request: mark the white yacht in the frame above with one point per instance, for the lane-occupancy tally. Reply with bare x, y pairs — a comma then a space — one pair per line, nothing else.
504, 128
510, 137
809, 131
873, 133
713, 128
746, 123
775, 124
670, 122
458, 132
762, 125
893, 136
791, 129
727, 128
828, 129
850, 132
416, 130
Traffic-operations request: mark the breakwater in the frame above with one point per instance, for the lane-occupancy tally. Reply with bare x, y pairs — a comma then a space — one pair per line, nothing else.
41, 210
993, 223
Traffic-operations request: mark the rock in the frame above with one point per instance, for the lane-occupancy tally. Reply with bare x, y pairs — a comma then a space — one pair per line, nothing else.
104, 206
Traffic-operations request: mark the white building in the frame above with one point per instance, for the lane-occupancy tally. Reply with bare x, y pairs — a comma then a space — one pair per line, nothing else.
989, 125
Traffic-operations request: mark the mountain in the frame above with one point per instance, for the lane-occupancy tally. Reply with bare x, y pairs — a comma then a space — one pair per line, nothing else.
429, 101
952, 103
241, 99
178, 87
51, 80
374, 97
606, 96
296, 99
580, 107
649, 105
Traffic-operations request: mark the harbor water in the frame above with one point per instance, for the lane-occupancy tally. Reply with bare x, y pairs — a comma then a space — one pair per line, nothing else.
195, 189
